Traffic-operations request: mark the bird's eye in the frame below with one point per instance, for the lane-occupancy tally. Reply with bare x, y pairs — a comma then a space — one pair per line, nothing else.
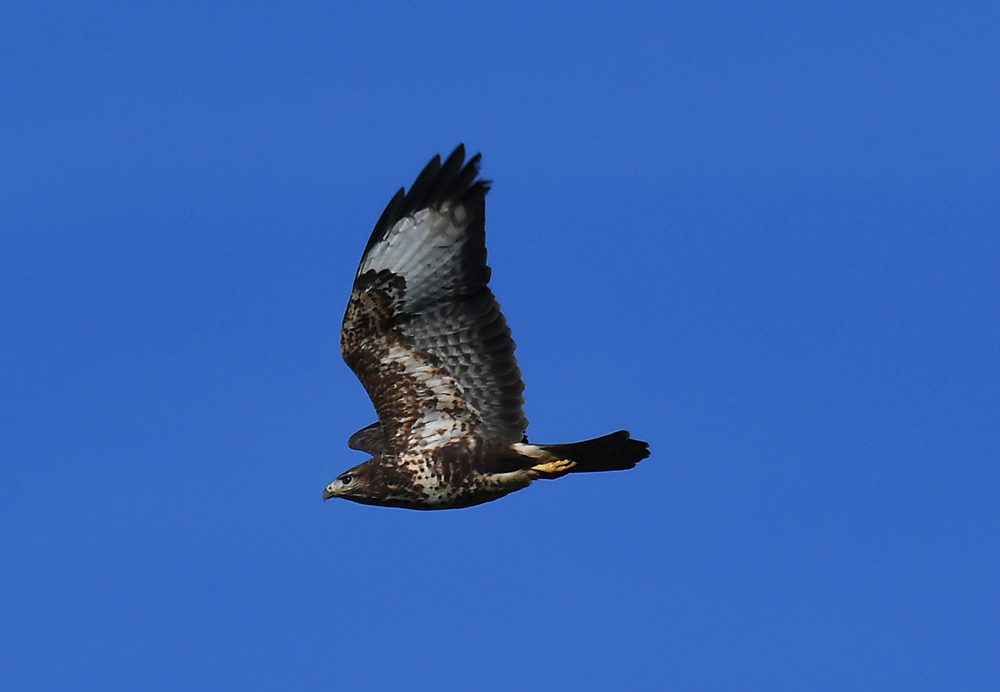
346, 479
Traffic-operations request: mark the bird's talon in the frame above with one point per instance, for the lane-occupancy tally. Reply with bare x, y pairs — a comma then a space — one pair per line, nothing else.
557, 466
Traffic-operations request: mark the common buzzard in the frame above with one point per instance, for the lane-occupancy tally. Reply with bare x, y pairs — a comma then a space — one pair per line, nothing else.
425, 336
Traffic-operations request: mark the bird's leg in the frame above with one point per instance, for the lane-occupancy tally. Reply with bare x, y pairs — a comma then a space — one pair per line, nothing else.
550, 466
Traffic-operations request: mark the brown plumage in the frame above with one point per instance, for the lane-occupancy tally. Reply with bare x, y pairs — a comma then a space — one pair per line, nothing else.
425, 335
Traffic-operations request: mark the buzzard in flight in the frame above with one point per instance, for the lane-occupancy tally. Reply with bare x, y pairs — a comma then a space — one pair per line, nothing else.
425, 336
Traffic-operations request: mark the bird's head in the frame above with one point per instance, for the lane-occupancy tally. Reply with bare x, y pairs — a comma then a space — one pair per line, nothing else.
353, 484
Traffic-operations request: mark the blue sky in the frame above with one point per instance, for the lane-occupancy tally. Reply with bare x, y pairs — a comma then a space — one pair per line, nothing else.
764, 238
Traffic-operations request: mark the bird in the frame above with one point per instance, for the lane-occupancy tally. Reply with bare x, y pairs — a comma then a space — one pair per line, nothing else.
424, 334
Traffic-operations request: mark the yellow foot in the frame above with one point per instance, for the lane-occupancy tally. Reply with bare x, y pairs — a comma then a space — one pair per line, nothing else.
556, 466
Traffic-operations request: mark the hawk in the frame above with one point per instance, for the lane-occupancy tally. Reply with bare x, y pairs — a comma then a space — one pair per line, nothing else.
425, 335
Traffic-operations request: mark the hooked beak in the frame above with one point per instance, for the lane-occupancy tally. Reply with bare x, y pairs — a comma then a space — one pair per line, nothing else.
328, 492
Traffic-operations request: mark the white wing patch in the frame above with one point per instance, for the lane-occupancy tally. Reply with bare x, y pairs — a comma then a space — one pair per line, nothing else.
443, 413
417, 248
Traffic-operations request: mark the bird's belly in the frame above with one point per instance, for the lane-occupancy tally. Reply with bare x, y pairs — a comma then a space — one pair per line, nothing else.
441, 486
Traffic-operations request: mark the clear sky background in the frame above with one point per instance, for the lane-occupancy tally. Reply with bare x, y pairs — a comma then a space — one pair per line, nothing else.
764, 237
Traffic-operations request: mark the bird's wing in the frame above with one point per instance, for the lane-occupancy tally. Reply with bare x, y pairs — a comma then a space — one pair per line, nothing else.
422, 330
369, 439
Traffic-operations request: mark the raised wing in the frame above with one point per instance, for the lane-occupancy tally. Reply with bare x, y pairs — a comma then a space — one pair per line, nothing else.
422, 330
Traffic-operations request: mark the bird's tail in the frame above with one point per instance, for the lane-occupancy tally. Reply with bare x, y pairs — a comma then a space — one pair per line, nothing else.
614, 452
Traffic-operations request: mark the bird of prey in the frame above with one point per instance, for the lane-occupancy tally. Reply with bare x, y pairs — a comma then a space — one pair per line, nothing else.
425, 335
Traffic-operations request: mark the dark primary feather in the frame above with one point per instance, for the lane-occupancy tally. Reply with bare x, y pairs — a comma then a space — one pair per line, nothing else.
422, 330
